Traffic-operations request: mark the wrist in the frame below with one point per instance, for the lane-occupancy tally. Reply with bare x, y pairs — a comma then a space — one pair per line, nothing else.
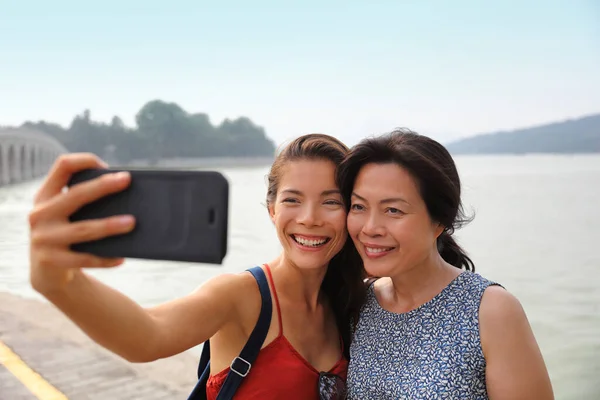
55, 283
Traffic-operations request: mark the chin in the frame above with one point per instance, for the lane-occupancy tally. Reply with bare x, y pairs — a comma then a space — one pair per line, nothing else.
308, 261
378, 268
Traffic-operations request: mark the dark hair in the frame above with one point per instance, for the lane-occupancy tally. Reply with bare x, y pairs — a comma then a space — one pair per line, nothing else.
343, 282
435, 174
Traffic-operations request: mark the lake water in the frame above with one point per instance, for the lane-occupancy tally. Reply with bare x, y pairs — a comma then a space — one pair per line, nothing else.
536, 230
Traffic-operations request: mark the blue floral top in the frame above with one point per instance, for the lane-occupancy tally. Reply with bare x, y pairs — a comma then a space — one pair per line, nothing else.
431, 352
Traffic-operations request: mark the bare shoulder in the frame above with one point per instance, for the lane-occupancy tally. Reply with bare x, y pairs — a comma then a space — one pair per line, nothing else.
502, 318
240, 293
216, 302
499, 306
228, 281
220, 303
515, 366
232, 288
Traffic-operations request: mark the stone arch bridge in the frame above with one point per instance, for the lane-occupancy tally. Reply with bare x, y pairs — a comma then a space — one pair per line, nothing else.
26, 154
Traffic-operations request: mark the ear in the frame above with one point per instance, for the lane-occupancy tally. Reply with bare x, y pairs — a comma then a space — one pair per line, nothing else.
438, 229
271, 212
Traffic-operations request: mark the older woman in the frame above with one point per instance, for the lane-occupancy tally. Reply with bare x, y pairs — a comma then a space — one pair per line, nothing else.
430, 328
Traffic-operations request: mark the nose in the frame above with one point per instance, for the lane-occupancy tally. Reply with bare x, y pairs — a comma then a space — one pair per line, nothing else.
373, 227
309, 216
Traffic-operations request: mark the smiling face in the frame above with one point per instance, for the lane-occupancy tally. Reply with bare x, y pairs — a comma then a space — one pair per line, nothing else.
388, 221
308, 213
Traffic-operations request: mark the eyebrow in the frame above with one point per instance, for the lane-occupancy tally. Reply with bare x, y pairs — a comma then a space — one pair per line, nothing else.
384, 201
299, 193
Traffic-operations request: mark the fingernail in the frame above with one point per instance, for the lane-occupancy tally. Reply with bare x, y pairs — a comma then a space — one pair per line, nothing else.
121, 176
125, 220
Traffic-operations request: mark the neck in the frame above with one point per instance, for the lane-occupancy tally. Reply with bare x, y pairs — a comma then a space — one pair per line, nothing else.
297, 285
420, 283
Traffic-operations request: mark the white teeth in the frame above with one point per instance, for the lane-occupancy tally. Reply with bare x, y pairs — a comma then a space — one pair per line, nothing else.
378, 249
309, 242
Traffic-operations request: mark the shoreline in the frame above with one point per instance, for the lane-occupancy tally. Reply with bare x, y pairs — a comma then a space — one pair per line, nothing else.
200, 163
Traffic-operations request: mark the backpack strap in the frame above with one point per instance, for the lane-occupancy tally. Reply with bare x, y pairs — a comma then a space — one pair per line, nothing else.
241, 365
199, 391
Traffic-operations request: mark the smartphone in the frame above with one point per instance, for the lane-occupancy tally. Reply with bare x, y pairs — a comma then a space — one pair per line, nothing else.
180, 216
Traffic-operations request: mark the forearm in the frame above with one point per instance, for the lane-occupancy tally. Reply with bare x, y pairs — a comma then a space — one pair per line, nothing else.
108, 317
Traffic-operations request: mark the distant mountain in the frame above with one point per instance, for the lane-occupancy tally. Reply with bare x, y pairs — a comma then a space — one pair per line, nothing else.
580, 135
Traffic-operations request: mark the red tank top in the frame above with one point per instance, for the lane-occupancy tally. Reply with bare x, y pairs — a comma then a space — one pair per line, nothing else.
279, 371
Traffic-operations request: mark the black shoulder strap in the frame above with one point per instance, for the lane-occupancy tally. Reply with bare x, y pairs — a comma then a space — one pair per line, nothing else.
241, 365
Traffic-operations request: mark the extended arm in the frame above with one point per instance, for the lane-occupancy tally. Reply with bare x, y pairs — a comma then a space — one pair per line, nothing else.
110, 318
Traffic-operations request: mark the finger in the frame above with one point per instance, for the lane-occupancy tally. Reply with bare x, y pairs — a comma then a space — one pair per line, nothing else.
58, 260
67, 234
65, 204
89, 191
62, 170
86, 260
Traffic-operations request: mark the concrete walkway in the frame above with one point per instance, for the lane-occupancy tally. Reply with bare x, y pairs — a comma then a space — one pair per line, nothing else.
12, 388
46, 357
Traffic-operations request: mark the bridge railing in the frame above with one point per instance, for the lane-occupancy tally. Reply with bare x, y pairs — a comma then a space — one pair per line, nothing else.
26, 154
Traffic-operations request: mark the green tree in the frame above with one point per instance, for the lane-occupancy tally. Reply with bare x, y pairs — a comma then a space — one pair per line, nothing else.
163, 130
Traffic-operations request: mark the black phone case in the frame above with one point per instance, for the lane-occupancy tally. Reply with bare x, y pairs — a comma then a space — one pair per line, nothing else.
180, 216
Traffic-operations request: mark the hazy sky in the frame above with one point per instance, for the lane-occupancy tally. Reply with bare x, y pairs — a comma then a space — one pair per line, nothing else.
347, 68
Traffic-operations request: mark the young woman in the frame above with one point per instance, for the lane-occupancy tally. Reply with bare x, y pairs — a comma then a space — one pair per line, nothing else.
430, 327
315, 290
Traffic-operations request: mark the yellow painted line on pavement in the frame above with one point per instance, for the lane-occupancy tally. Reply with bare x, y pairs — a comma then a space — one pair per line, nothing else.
33, 381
